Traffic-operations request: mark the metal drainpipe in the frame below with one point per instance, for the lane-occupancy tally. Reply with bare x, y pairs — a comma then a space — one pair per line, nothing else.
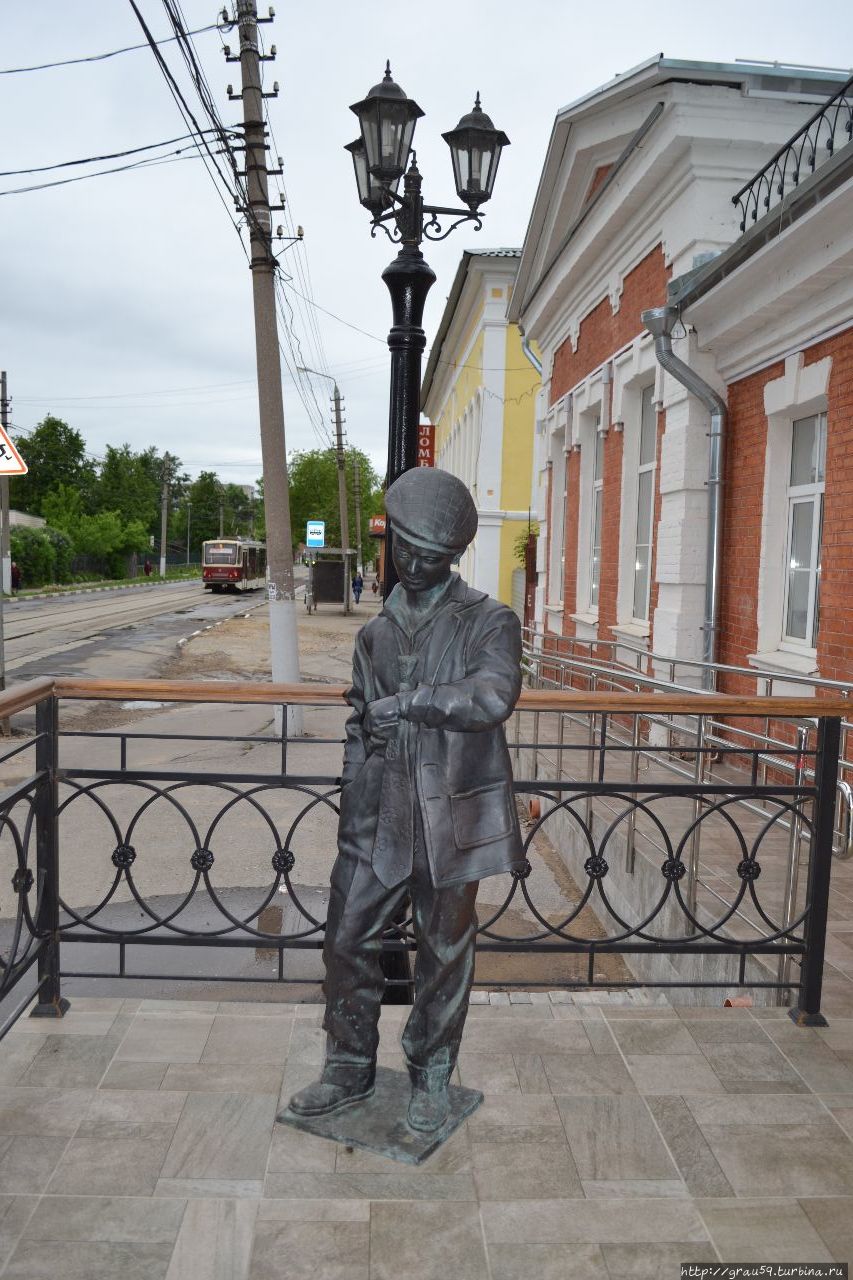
660, 322
528, 351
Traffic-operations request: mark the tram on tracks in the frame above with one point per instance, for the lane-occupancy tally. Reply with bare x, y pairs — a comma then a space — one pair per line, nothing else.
233, 564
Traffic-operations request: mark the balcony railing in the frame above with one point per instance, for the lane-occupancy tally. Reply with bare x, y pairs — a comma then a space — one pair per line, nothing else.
127, 855
823, 134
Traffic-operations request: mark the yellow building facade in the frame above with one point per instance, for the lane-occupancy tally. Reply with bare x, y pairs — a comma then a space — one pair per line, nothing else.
479, 391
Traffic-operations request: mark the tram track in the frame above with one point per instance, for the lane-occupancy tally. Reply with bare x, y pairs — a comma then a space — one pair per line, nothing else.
53, 626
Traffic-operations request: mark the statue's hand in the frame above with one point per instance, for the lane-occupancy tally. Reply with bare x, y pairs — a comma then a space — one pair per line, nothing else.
382, 717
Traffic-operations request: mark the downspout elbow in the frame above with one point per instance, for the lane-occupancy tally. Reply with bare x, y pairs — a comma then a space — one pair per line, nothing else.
529, 353
659, 321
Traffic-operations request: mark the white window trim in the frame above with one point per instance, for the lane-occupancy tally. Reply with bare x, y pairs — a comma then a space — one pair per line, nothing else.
634, 370
645, 468
588, 426
813, 494
557, 439
801, 391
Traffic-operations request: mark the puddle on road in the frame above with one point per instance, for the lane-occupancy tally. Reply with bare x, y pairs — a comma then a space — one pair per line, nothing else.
142, 706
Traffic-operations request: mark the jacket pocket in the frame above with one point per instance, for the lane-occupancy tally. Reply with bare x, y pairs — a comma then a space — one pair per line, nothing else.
481, 816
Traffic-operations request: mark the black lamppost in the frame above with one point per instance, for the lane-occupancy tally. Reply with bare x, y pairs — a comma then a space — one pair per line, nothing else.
381, 157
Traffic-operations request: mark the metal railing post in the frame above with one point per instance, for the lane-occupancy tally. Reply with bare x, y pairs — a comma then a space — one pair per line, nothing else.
561, 724
807, 1013
51, 1003
590, 755
692, 887
631, 835
792, 877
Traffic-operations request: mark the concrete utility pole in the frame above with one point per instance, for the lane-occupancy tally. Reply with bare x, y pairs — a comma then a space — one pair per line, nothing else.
343, 509
189, 523
5, 548
164, 512
356, 497
221, 519
282, 606
342, 495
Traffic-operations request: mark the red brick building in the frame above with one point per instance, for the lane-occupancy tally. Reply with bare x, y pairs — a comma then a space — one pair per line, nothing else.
634, 211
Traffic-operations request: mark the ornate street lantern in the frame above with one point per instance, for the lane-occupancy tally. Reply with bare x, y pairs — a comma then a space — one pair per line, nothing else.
371, 192
387, 121
475, 149
381, 159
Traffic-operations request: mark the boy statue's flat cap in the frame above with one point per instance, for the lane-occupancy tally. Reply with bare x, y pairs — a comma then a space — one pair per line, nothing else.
432, 509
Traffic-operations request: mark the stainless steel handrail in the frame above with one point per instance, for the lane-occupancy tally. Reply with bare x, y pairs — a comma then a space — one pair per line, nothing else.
618, 675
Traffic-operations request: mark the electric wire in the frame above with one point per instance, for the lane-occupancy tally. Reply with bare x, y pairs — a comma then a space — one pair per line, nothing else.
149, 163
109, 155
189, 118
208, 104
96, 57
308, 319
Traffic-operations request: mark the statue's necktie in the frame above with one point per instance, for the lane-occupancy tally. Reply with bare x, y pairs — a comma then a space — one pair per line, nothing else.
393, 846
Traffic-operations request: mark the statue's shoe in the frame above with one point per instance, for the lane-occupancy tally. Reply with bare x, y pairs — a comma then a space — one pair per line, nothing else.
428, 1109
322, 1097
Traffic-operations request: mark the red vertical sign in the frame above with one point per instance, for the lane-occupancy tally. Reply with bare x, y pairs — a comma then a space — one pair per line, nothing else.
426, 445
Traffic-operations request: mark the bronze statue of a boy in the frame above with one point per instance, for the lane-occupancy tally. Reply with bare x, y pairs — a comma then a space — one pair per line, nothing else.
427, 804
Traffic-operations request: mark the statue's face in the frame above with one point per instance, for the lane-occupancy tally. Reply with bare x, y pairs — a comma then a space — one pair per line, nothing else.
418, 569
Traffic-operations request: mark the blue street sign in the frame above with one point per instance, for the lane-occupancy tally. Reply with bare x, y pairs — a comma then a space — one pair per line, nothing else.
316, 533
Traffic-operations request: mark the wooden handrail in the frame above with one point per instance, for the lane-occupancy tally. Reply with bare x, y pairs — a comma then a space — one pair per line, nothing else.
20, 697
692, 704
202, 691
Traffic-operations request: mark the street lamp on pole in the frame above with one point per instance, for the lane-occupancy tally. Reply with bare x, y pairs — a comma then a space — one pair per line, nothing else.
382, 156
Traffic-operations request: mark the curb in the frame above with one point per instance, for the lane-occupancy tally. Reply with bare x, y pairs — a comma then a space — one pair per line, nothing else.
636, 998
86, 591
184, 640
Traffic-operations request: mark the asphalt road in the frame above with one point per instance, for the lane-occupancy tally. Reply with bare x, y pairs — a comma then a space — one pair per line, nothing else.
121, 633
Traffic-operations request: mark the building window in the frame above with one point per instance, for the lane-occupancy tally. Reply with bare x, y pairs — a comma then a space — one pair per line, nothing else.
557, 517
597, 504
645, 506
805, 524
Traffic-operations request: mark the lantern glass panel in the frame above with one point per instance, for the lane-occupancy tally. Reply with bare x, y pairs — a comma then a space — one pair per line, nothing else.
370, 132
362, 176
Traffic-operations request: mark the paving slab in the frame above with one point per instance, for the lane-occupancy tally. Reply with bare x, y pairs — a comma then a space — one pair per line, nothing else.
606, 1146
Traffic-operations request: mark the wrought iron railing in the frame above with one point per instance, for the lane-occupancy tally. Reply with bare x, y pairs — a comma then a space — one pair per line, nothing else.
823, 134
125, 852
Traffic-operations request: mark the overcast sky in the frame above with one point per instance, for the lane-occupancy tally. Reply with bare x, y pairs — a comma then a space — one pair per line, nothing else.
126, 300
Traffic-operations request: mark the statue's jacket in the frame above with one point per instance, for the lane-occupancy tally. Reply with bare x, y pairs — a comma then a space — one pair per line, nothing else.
467, 679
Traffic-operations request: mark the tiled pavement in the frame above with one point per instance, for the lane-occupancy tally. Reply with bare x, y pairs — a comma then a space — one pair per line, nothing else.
137, 1139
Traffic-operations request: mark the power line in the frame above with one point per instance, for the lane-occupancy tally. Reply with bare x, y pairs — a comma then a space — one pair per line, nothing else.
193, 124
96, 57
118, 395
150, 163
339, 319
111, 155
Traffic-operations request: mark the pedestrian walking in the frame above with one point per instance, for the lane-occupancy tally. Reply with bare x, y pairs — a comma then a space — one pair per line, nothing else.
16, 577
146, 568
357, 587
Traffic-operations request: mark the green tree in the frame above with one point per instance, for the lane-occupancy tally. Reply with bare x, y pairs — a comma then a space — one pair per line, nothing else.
103, 536
240, 511
131, 483
63, 507
203, 496
55, 454
313, 480
32, 551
